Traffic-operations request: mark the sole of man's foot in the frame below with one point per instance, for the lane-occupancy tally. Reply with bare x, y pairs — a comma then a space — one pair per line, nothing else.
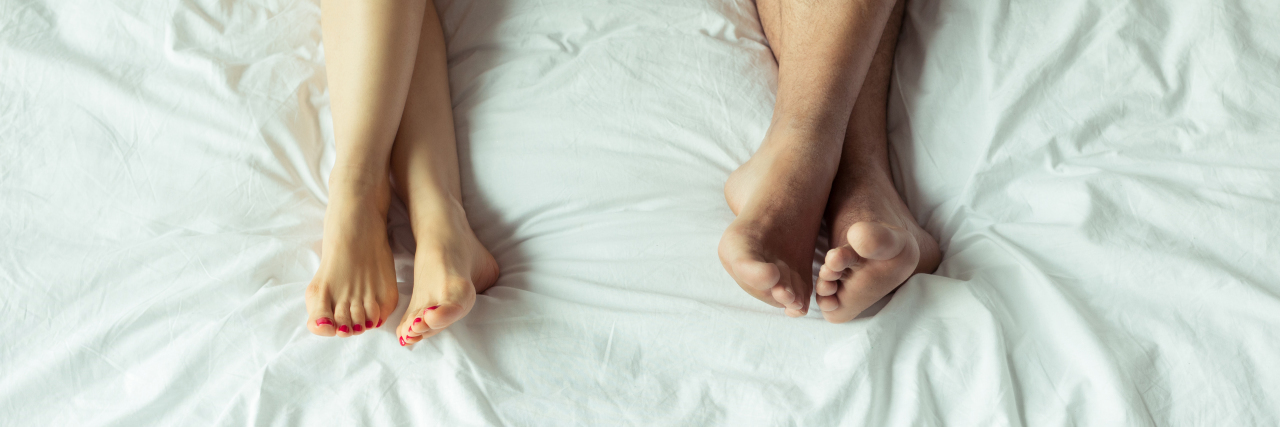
877, 246
779, 197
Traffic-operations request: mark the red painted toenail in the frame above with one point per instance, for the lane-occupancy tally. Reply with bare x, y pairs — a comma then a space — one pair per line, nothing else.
417, 320
323, 321
379, 323
358, 328
368, 323
433, 307
402, 341
344, 328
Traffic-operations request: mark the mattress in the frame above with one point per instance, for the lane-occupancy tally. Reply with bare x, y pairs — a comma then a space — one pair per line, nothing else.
1103, 178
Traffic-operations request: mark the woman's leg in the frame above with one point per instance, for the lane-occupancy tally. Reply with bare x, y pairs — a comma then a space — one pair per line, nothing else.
450, 265
369, 55
876, 242
823, 48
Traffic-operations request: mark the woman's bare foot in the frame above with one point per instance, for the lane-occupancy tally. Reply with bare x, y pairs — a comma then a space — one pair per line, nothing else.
877, 246
779, 196
355, 287
450, 267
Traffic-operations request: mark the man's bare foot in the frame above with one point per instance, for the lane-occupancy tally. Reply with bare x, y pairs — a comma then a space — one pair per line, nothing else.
779, 196
876, 245
450, 267
355, 287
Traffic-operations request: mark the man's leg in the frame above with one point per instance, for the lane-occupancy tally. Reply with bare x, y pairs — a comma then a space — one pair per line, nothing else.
823, 48
877, 243
450, 265
369, 54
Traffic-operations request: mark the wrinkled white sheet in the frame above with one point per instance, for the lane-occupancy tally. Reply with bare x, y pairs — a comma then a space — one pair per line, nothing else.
1103, 177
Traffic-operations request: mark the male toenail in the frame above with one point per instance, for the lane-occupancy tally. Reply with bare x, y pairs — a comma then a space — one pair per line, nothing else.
368, 323
358, 328
344, 329
323, 321
433, 307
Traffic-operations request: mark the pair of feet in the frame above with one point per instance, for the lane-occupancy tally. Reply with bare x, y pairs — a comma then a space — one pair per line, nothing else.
355, 291
779, 196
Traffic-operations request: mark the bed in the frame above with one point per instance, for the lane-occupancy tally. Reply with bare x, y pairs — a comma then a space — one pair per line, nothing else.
1103, 177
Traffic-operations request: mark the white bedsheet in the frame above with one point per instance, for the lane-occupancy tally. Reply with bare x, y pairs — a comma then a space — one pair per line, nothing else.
1104, 178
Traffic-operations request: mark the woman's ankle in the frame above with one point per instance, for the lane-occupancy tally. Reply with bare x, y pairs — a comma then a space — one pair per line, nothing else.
360, 194
436, 213
357, 180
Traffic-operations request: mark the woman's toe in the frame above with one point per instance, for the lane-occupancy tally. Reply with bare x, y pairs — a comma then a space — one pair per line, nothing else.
373, 314
357, 317
320, 313
342, 319
439, 316
417, 327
